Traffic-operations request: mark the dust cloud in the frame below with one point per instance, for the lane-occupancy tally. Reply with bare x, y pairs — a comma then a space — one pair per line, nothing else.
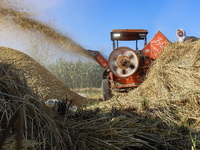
22, 19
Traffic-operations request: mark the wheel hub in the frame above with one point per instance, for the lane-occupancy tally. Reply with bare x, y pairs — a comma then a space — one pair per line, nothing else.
123, 62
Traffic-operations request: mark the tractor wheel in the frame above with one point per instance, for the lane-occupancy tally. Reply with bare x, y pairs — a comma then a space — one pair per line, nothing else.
106, 90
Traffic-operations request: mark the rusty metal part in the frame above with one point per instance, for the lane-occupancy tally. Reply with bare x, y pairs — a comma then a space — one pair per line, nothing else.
128, 34
93, 53
156, 46
123, 62
99, 58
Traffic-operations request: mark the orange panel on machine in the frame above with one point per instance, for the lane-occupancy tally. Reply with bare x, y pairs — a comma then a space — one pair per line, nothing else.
156, 46
102, 61
131, 81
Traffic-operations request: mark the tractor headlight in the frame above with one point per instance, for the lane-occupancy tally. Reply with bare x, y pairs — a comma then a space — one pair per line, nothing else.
142, 35
116, 35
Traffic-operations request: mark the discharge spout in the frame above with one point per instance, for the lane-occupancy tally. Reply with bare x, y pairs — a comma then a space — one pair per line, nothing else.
99, 58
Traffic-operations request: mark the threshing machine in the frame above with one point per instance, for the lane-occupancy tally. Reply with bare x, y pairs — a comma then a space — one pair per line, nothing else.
126, 67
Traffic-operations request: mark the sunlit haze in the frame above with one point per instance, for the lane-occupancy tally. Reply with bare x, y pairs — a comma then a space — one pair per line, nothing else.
89, 22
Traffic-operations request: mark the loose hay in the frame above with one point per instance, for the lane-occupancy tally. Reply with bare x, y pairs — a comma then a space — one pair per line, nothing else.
39, 79
86, 129
46, 85
24, 22
39, 130
171, 90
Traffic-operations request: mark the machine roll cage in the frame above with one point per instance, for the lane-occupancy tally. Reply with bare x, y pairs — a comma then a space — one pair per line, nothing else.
128, 35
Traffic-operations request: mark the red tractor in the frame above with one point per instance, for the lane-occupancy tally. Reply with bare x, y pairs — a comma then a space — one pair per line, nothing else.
126, 67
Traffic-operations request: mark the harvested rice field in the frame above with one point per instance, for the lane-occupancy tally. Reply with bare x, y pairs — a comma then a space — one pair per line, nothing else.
161, 114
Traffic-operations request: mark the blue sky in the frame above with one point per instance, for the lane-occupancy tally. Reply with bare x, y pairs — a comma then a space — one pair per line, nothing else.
89, 22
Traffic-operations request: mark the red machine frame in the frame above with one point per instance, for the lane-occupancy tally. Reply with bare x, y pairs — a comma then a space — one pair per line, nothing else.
132, 73
151, 51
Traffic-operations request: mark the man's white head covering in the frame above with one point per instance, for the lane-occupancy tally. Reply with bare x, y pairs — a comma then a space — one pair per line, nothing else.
181, 39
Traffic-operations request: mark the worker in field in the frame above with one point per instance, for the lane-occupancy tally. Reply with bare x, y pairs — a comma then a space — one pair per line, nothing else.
181, 34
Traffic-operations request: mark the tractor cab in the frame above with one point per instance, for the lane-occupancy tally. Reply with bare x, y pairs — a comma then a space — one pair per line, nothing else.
128, 35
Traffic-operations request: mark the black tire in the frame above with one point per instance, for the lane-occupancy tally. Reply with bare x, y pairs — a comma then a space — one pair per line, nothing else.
106, 90
106, 74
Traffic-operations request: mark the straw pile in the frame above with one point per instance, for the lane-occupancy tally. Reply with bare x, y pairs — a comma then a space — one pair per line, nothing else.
145, 118
39, 79
172, 88
43, 128
38, 129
